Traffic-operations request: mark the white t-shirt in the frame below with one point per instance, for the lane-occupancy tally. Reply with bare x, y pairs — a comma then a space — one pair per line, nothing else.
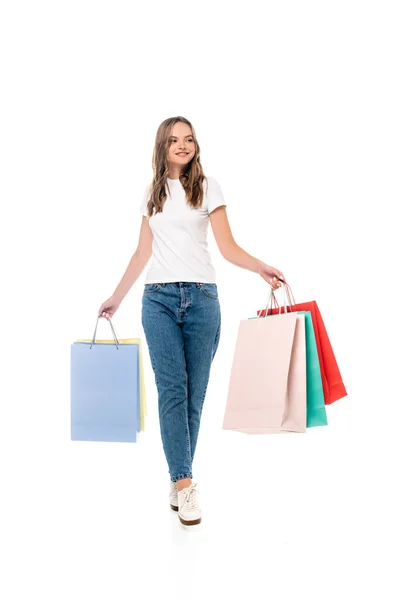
179, 246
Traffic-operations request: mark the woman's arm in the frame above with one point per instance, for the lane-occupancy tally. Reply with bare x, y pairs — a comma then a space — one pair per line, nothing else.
138, 261
227, 245
234, 253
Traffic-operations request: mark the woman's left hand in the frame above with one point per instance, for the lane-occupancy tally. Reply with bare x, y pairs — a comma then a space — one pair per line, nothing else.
271, 276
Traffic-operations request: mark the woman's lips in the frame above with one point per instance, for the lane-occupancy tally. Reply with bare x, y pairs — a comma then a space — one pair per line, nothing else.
182, 153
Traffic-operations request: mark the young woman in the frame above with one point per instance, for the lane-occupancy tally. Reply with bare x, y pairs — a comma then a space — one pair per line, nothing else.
181, 314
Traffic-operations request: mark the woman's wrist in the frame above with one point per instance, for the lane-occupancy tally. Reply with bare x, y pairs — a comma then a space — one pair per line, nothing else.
118, 297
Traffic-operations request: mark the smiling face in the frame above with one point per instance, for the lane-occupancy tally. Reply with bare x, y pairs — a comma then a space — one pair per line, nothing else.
181, 150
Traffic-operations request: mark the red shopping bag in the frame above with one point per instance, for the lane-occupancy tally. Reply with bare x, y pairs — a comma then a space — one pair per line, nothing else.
332, 383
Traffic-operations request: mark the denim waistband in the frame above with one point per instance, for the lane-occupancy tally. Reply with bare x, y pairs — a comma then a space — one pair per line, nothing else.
183, 283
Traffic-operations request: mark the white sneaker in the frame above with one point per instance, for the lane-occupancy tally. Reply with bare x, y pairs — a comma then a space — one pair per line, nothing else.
189, 511
173, 496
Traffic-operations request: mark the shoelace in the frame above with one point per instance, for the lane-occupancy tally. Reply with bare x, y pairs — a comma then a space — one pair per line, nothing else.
190, 496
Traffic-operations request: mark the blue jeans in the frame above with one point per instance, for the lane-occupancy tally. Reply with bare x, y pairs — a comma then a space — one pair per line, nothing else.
182, 325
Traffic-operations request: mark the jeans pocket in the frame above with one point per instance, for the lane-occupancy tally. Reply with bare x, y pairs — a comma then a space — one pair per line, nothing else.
151, 287
210, 290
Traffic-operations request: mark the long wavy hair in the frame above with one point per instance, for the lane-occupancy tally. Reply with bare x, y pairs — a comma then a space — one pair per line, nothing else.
191, 177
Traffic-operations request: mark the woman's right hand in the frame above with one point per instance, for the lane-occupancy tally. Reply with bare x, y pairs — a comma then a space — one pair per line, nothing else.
109, 307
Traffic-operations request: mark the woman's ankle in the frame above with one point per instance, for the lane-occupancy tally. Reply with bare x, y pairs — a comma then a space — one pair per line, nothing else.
182, 483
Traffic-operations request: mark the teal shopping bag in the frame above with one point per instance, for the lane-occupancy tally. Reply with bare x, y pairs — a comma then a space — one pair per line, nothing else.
316, 411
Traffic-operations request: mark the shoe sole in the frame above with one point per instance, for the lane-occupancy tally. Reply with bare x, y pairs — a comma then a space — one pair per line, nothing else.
194, 522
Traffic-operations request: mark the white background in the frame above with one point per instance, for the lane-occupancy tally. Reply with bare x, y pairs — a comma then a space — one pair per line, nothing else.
296, 110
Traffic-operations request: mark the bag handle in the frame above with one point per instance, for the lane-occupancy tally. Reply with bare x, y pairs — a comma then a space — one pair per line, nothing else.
113, 332
271, 296
289, 296
287, 288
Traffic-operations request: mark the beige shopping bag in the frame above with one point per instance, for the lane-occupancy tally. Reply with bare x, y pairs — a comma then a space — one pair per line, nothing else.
267, 388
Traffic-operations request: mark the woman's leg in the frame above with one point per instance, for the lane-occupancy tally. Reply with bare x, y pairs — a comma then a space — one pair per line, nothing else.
160, 313
201, 333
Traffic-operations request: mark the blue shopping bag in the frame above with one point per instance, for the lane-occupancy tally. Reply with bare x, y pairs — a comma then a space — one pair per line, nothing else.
105, 391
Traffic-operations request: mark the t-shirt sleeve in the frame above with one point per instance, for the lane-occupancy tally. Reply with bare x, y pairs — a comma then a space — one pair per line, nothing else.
215, 195
145, 199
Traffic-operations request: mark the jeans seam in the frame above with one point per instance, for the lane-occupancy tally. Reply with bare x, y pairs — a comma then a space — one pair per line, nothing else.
204, 396
207, 294
216, 342
158, 287
187, 432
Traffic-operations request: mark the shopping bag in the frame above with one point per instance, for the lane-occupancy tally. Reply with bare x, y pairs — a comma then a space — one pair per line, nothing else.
316, 411
267, 386
105, 391
142, 386
332, 383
